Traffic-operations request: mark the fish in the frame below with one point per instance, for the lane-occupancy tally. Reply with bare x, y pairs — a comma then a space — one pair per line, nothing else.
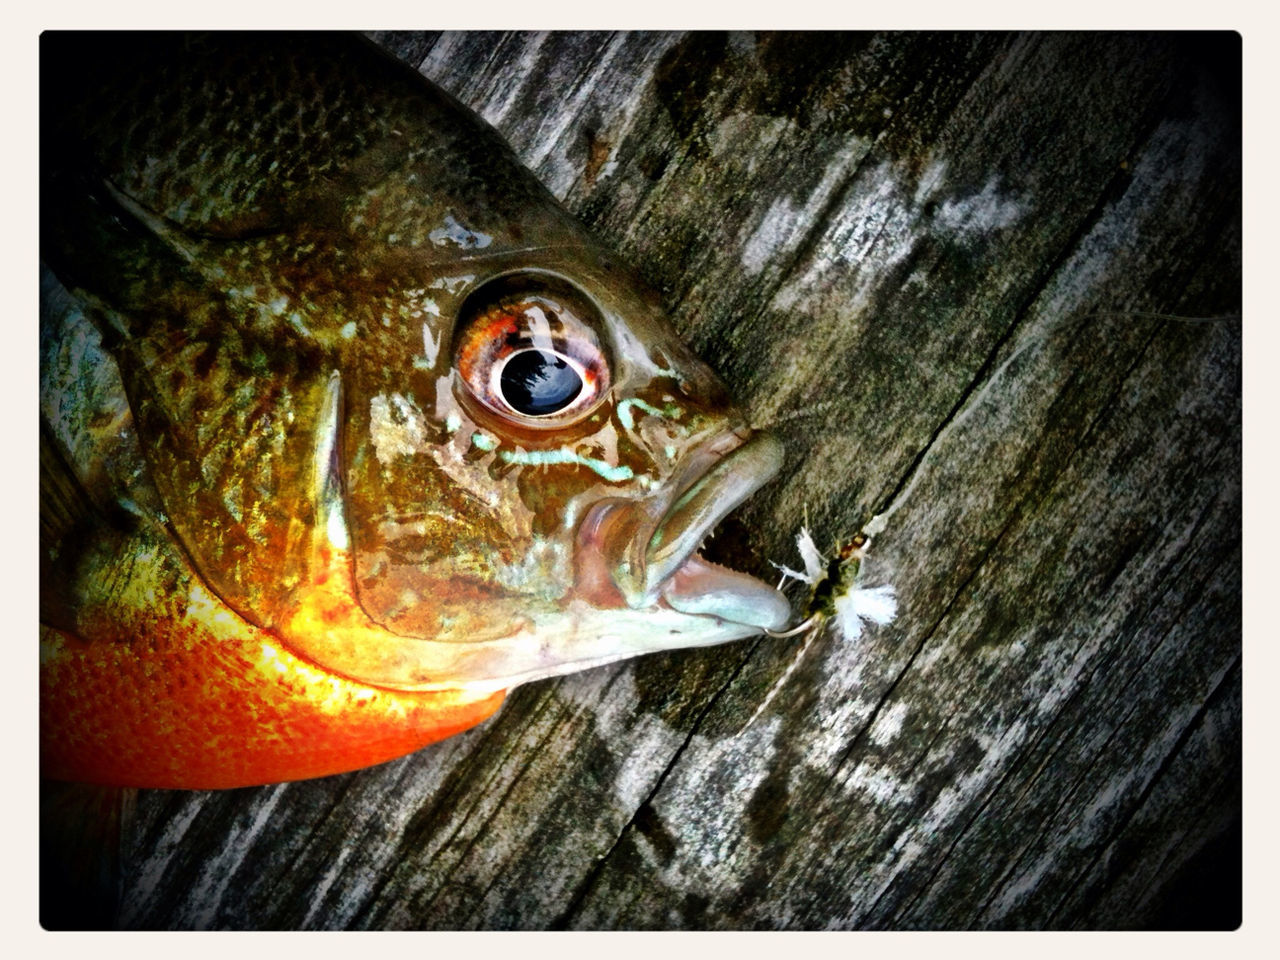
347, 426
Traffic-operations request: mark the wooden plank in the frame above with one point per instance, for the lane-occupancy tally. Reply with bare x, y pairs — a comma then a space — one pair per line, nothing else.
942, 266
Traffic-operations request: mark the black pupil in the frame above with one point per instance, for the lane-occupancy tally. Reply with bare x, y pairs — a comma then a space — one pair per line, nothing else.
536, 383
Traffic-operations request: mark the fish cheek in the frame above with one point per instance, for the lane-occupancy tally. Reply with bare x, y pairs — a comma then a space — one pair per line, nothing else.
556, 495
547, 494
425, 546
426, 599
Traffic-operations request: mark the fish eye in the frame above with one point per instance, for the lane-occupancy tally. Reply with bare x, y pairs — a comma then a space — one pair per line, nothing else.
528, 350
537, 383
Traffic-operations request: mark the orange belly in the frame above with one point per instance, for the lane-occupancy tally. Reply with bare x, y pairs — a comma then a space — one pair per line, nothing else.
210, 705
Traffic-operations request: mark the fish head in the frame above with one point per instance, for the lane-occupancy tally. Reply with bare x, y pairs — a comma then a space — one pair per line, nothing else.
527, 494
400, 408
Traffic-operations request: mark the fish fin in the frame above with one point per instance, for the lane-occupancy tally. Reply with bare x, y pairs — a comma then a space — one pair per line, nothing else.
331, 521
88, 547
82, 830
107, 252
72, 527
168, 233
65, 506
69, 523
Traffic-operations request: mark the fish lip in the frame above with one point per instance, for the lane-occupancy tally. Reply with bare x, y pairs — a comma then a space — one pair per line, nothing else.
708, 499
644, 553
674, 570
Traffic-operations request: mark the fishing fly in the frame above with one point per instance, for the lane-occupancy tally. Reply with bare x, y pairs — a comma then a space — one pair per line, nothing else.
834, 591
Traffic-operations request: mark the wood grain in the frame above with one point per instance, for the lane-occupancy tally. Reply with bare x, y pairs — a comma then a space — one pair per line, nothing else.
945, 268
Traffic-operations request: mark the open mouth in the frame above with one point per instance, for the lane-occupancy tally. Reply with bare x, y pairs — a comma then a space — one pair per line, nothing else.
688, 582
627, 556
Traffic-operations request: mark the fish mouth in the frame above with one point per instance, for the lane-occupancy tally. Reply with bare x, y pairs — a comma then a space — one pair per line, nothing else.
659, 562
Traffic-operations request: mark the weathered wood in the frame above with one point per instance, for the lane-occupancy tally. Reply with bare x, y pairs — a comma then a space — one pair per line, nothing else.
942, 266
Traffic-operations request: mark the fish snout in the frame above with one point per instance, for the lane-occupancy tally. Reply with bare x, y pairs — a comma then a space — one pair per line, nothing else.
645, 553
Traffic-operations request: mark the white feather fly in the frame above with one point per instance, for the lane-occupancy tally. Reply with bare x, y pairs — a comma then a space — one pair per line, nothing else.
874, 604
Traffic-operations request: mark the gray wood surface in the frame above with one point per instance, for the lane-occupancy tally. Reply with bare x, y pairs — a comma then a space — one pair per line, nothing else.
943, 267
